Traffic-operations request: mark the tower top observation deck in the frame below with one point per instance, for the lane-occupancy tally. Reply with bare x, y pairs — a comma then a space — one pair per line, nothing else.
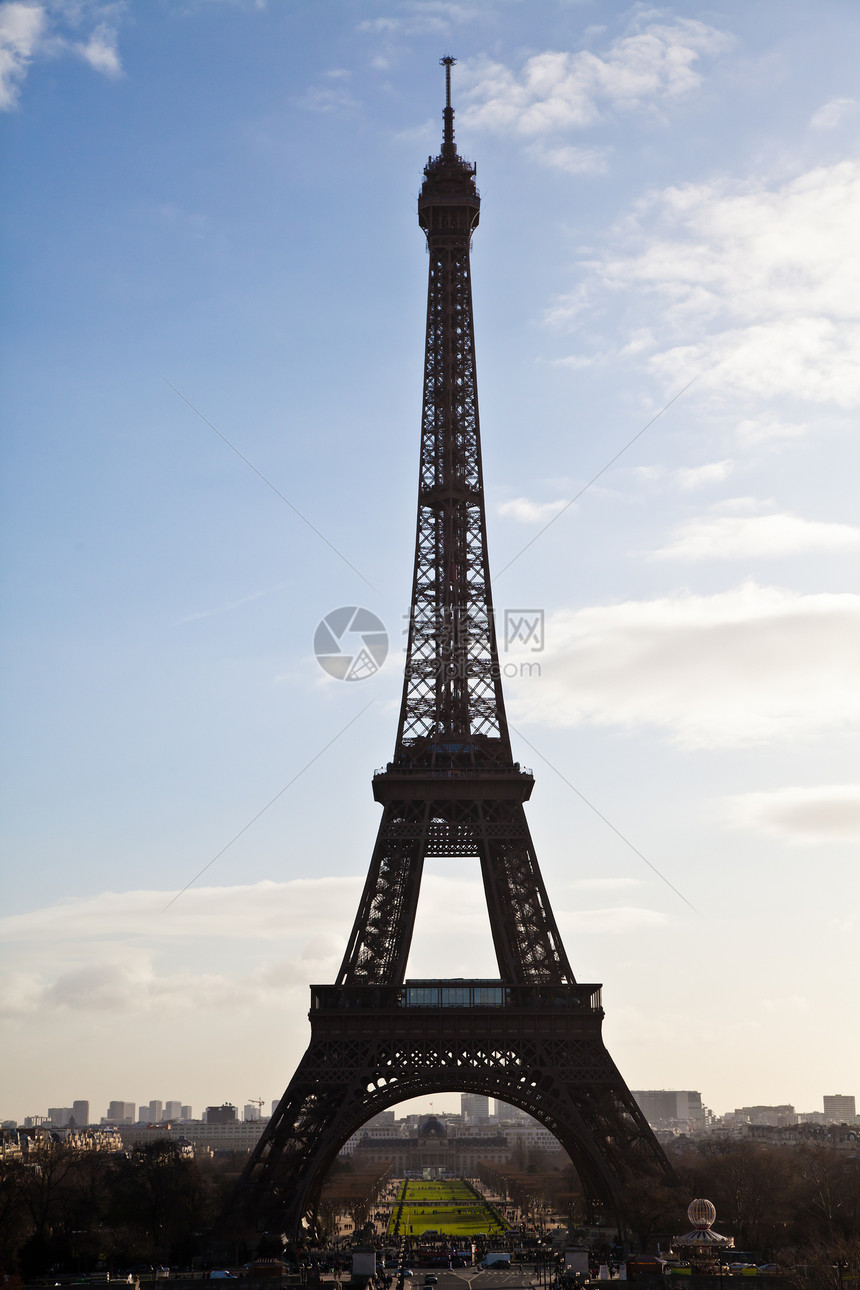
449, 181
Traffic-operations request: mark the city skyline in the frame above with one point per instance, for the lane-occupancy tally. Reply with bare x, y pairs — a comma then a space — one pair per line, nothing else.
212, 231
835, 1108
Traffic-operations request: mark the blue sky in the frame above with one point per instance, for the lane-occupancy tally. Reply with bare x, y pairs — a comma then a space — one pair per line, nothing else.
211, 218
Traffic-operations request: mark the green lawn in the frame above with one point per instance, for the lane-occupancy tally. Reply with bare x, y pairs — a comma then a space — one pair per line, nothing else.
449, 1208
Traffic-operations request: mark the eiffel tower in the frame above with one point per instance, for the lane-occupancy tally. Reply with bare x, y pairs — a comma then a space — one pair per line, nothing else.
531, 1038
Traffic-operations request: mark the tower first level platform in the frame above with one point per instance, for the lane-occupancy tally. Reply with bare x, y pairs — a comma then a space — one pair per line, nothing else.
536, 1047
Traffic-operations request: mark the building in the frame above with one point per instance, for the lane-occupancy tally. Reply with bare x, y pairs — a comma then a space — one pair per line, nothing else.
840, 1137
172, 1110
233, 1135
84, 1139
81, 1114
250, 1112
432, 1152
474, 1108
665, 1108
156, 1112
59, 1116
839, 1108
444, 1143
777, 1117
185, 1113
505, 1114
530, 1137
10, 1143
120, 1113
224, 1114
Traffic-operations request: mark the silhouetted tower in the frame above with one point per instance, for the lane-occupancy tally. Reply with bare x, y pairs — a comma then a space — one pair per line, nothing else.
533, 1037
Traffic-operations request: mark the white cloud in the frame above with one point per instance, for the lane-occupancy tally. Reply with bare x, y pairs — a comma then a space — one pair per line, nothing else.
787, 1005
559, 90
104, 953
713, 472
329, 98
421, 17
807, 358
21, 29
572, 160
756, 287
604, 884
742, 537
616, 920
801, 815
131, 983
741, 667
768, 430
833, 113
29, 31
267, 910
526, 511
577, 362
100, 50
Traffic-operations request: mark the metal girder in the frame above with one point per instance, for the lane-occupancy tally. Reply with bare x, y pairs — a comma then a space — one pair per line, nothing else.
525, 936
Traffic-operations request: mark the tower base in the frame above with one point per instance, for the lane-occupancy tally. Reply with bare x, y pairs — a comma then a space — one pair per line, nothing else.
537, 1047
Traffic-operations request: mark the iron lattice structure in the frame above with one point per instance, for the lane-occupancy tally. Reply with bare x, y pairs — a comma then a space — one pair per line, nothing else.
532, 1038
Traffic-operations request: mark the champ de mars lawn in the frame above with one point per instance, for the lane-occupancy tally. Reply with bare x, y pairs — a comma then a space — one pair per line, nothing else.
449, 1208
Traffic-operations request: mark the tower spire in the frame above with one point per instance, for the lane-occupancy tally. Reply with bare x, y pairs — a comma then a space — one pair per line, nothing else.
448, 147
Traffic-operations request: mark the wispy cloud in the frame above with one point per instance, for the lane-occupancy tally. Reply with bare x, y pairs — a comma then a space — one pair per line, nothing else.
689, 478
740, 667
743, 537
712, 472
800, 815
572, 160
423, 17
525, 511
604, 884
267, 910
616, 920
234, 604
787, 1005
769, 430
328, 98
833, 113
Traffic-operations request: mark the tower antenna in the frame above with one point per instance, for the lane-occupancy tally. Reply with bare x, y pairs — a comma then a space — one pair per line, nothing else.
448, 148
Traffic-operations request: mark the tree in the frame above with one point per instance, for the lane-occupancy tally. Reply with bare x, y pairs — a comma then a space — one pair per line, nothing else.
651, 1208
158, 1200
